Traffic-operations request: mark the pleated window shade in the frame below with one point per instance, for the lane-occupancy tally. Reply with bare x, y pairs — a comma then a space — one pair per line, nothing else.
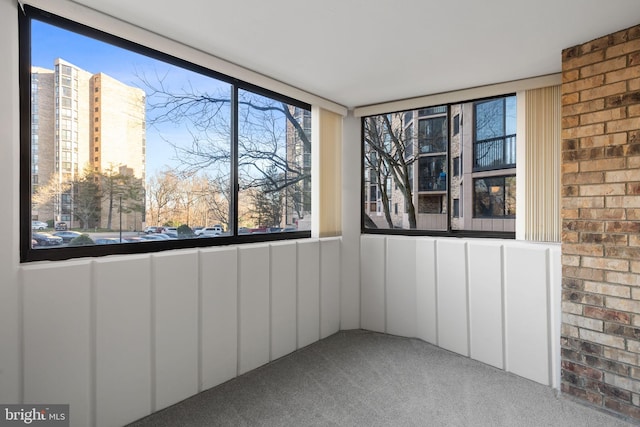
543, 164
327, 174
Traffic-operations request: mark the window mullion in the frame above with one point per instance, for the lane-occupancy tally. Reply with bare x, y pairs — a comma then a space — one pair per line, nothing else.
234, 161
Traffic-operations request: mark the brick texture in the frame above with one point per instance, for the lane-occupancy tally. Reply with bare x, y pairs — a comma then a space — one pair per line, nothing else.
601, 222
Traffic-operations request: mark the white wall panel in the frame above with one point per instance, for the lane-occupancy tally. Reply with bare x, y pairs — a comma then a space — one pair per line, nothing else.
486, 299
350, 297
485, 302
372, 273
283, 298
308, 292
452, 296
123, 339
57, 337
219, 308
555, 309
426, 307
401, 286
253, 323
329, 286
175, 291
527, 330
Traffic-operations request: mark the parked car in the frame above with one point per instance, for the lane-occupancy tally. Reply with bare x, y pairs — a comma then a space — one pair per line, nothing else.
171, 231
39, 225
67, 236
46, 239
61, 226
151, 229
157, 236
108, 241
216, 230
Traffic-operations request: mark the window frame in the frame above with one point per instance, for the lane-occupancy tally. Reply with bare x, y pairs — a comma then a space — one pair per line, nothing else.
27, 254
425, 232
503, 187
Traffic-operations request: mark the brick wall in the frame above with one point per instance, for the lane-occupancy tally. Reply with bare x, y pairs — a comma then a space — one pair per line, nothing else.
601, 222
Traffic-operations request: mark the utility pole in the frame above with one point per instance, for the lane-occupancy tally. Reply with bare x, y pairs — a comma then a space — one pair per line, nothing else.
120, 218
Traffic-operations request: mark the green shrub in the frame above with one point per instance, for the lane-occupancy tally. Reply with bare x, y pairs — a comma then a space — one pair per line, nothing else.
185, 231
82, 240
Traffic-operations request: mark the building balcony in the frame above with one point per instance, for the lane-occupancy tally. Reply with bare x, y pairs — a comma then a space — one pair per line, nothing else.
494, 153
432, 183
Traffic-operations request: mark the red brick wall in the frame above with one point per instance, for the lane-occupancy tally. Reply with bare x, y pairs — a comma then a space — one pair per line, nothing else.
601, 222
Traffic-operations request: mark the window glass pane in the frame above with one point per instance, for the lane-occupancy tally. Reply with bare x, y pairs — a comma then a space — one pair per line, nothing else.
432, 135
274, 165
494, 197
438, 202
128, 145
390, 158
181, 182
495, 124
120, 139
432, 174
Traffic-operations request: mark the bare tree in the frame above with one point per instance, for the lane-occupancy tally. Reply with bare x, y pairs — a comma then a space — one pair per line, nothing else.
217, 202
83, 194
133, 197
268, 130
161, 191
379, 176
386, 136
86, 197
47, 196
267, 202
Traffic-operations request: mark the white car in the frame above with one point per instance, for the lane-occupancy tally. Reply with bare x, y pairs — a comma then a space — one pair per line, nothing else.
38, 225
216, 230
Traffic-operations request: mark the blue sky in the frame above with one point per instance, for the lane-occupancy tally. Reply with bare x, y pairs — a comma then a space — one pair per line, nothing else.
50, 42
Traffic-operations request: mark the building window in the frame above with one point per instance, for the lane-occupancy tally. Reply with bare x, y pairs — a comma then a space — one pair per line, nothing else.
495, 134
238, 158
432, 135
431, 173
428, 200
494, 197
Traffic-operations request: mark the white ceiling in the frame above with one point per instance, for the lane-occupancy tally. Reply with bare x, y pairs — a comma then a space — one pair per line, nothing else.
360, 52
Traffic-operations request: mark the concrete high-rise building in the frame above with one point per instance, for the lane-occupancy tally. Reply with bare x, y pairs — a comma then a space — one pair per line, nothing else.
84, 122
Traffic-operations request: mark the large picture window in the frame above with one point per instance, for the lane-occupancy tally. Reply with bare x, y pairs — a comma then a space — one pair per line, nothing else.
456, 177
126, 149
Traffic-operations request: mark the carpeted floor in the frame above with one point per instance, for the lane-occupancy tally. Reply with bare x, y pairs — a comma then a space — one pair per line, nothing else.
360, 378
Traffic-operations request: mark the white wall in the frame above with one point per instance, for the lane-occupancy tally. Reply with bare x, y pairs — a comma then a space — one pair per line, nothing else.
120, 337
350, 250
496, 301
10, 308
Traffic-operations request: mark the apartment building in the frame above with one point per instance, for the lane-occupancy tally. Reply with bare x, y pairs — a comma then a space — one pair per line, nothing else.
458, 161
297, 198
83, 120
